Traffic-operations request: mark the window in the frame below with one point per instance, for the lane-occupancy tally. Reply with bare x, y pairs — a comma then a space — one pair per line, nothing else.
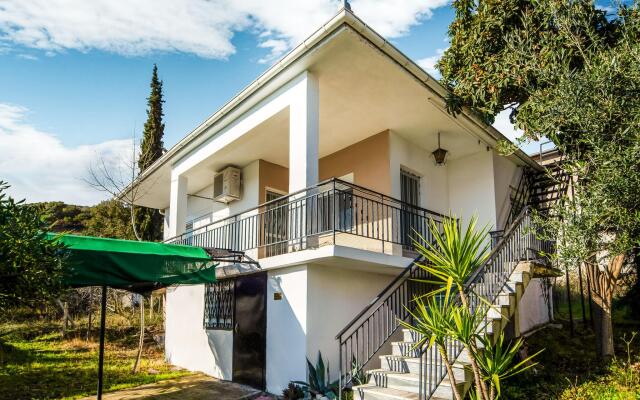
409, 188
409, 218
218, 304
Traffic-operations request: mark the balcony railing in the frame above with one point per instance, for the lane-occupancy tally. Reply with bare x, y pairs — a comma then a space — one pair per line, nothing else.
332, 212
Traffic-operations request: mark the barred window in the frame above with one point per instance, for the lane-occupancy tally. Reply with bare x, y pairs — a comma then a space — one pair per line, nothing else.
218, 304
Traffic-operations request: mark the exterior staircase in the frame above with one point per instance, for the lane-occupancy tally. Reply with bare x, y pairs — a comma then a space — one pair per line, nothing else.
405, 372
399, 375
547, 187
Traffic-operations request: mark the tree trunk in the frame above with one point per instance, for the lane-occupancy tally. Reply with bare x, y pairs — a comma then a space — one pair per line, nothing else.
136, 365
604, 282
481, 389
65, 316
452, 378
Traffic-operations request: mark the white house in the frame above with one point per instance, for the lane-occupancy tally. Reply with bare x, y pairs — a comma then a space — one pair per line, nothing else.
328, 171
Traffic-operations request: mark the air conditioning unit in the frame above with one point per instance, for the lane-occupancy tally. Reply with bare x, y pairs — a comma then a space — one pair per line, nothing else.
226, 185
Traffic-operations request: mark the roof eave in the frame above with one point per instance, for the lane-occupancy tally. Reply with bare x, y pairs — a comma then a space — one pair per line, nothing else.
342, 17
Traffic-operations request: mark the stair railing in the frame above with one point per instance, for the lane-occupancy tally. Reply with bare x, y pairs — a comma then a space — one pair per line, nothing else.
518, 243
368, 331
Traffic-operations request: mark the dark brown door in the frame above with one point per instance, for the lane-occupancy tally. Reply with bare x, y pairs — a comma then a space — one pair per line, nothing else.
249, 334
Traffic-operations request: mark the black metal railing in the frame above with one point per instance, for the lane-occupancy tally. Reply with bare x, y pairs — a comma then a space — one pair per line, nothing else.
365, 334
319, 215
373, 327
519, 242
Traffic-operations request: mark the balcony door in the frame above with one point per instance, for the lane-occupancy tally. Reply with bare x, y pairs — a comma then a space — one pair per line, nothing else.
410, 196
275, 221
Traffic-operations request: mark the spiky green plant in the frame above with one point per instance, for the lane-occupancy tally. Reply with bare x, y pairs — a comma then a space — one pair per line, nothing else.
451, 261
455, 255
433, 322
318, 380
358, 375
497, 362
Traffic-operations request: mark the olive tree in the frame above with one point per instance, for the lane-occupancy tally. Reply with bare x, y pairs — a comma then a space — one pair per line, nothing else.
569, 72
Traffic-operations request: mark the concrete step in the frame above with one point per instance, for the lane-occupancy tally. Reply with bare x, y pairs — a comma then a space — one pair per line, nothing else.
410, 336
508, 300
411, 365
398, 377
373, 392
407, 382
404, 349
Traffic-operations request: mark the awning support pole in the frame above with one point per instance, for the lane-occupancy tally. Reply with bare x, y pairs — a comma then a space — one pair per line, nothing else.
103, 312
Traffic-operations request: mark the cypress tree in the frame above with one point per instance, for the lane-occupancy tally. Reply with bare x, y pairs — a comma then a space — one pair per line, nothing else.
149, 221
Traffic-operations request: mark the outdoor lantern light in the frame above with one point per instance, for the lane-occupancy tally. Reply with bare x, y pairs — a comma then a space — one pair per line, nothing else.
439, 154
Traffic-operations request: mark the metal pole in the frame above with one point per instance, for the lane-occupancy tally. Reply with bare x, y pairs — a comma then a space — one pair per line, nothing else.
103, 313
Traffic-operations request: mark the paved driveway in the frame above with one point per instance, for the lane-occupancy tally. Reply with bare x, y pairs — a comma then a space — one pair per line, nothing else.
193, 387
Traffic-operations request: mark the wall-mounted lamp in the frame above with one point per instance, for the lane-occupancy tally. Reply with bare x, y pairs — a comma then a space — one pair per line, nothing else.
439, 154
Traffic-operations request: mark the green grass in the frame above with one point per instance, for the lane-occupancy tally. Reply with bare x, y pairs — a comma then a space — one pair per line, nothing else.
37, 363
569, 370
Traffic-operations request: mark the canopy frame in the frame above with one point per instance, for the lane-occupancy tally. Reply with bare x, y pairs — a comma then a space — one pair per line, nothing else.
115, 263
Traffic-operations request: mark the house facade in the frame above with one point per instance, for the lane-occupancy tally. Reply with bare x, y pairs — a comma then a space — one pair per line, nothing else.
310, 186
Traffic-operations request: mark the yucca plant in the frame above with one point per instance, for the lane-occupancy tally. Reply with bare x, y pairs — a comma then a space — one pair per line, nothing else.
497, 362
433, 322
455, 255
451, 261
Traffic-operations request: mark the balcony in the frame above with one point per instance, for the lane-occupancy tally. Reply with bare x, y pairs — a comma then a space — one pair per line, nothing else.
333, 212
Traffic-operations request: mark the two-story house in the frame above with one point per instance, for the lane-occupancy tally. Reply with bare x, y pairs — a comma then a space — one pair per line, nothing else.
321, 171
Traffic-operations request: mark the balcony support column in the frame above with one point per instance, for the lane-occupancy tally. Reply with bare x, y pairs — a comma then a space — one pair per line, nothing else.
304, 123
303, 133
178, 205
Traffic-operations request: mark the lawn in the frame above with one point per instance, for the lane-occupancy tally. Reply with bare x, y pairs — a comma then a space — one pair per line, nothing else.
36, 362
568, 368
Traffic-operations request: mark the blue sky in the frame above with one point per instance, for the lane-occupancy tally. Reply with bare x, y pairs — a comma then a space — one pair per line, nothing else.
74, 75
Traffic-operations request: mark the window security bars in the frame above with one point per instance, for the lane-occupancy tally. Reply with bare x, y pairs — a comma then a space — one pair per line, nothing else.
219, 304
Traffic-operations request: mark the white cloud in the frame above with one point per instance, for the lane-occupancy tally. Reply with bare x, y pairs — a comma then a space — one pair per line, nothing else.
201, 27
429, 63
39, 167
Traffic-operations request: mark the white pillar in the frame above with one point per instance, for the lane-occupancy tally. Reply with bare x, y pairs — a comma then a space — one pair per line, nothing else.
303, 133
178, 205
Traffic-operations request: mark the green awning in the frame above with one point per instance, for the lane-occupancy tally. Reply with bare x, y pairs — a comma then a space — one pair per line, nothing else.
133, 265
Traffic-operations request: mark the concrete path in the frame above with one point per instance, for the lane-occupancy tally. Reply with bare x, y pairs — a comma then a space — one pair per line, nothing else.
193, 387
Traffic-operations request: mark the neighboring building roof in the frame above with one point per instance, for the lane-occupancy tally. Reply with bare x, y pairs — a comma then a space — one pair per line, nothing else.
343, 19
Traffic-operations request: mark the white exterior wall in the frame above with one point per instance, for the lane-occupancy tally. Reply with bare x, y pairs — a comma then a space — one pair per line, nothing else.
187, 343
286, 327
506, 175
336, 295
433, 178
317, 301
203, 211
471, 188
536, 307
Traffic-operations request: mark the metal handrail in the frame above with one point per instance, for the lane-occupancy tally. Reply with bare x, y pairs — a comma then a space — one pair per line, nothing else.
365, 339
507, 234
297, 222
382, 293
320, 184
510, 249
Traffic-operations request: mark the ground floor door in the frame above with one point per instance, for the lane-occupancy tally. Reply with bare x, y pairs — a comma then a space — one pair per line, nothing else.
249, 332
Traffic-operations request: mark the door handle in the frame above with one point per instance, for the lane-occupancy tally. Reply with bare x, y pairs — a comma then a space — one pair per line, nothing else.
235, 327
